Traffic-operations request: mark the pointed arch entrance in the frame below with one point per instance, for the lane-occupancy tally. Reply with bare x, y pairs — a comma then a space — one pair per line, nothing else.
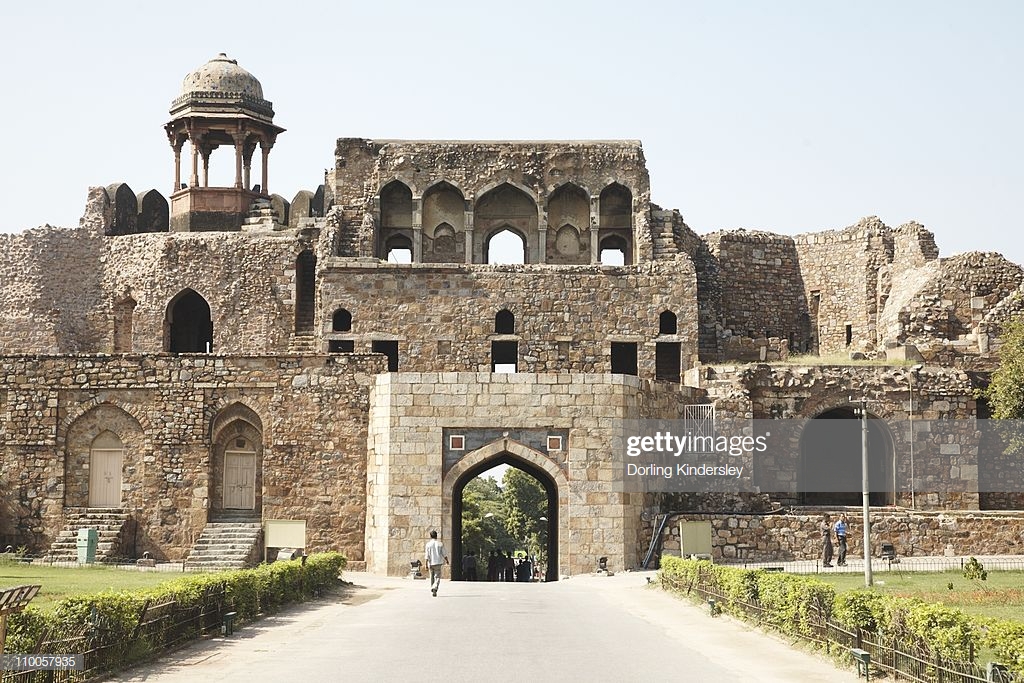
831, 457
514, 454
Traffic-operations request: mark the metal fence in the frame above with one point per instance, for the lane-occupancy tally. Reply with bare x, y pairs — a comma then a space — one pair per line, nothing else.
892, 657
159, 627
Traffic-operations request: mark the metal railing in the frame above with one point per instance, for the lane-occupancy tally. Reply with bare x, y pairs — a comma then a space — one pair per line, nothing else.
897, 659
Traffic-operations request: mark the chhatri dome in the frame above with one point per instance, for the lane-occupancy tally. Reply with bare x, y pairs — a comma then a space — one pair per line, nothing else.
221, 85
221, 106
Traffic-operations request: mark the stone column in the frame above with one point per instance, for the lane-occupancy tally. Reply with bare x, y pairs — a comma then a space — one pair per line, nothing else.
206, 166
239, 144
176, 146
595, 230
265, 146
194, 179
469, 236
542, 232
417, 230
247, 149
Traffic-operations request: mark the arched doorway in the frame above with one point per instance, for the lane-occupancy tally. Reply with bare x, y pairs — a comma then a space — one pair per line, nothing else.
189, 324
831, 458
543, 478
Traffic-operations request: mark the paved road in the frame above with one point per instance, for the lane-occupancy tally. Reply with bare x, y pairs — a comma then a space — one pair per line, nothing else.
586, 628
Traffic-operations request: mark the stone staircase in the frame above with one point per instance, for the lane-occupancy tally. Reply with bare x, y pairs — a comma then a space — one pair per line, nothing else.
304, 343
111, 524
262, 217
226, 544
718, 381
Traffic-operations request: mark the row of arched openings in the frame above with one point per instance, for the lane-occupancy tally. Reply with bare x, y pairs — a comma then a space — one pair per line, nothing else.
506, 220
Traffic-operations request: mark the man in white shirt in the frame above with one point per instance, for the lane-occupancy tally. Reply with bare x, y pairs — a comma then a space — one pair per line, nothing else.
436, 559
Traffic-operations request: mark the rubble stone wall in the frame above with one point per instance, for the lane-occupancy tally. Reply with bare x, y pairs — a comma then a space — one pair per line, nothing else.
312, 409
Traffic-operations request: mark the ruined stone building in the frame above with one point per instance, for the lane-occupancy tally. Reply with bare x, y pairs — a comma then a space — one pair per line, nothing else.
352, 358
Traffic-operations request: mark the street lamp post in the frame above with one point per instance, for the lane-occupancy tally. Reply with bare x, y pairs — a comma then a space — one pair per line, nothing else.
865, 490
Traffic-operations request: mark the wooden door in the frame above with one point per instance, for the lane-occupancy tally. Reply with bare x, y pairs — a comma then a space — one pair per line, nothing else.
105, 463
239, 480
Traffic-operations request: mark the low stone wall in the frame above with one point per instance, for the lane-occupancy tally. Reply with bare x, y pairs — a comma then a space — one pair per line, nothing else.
789, 537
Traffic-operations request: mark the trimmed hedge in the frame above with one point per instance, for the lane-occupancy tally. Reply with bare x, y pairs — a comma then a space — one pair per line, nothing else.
792, 603
115, 614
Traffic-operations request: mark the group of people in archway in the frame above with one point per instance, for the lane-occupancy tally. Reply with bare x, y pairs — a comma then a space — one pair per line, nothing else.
502, 566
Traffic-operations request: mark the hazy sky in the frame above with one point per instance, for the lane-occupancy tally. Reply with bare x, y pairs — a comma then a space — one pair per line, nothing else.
780, 116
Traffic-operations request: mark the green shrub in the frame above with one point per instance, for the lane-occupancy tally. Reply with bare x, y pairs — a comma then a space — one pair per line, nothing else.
974, 570
1006, 639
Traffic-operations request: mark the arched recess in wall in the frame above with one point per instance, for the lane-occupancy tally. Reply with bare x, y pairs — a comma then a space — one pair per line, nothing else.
514, 454
396, 207
104, 449
667, 323
124, 314
569, 218
398, 249
504, 322
506, 210
305, 292
444, 224
616, 221
505, 245
614, 251
236, 463
188, 324
341, 321
831, 460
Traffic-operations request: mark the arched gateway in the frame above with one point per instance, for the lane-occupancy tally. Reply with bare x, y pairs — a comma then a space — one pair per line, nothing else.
505, 451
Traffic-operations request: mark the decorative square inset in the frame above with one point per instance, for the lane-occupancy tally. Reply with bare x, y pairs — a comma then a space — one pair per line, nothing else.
457, 442
554, 443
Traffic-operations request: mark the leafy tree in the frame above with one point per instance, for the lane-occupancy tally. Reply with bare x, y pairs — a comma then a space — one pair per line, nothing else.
483, 520
525, 504
1005, 393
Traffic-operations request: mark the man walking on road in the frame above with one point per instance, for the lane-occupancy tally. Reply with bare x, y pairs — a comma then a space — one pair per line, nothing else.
436, 559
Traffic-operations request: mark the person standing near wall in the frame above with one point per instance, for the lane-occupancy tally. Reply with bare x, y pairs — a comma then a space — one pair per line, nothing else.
826, 540
437, 557
840, 529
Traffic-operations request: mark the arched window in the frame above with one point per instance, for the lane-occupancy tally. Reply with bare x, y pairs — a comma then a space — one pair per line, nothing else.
667, 323
613, 251
396, 208
616, 221
342, 321
398, 249
190, 328
504, 322
506, 246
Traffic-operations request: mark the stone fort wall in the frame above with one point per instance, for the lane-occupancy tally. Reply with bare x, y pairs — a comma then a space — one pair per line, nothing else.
309, 413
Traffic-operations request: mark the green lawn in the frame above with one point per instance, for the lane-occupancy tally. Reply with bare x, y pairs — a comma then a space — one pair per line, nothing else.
1001, 596
60, 582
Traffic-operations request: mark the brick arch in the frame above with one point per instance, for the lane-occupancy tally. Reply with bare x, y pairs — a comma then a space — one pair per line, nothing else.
406, 180
533, 462
554, 187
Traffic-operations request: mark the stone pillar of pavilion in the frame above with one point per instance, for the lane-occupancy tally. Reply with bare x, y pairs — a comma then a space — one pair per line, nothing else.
221, 105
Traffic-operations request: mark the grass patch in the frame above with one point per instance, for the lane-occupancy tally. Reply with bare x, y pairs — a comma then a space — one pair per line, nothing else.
62, 582
1001, 596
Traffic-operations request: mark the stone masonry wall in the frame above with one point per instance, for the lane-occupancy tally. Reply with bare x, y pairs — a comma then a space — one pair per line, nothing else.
443, 317
313, 415
788, 537
408, 484
762, 289
840, 274
363, 167
61, 287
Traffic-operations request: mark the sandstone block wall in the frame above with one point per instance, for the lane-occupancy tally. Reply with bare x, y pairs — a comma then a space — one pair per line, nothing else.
409, 487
